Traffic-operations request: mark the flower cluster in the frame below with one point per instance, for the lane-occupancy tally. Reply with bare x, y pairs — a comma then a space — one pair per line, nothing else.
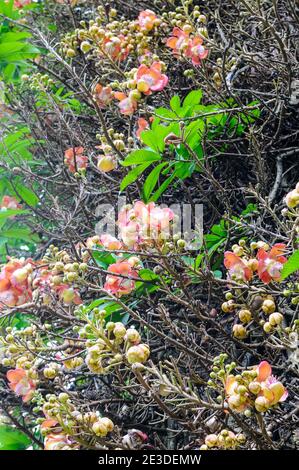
9, 202
21, 383
144, 224
224, 440
75, 159
256, 388
111, 344
292, 198
183, 45
268, 262
15, 282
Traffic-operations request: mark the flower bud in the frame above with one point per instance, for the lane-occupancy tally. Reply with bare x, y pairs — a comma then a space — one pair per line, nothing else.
254, 387
106, 163
139, 353
133, 336
267, 327
245, 316
261, 404
85, 46
211, 440
275, 318
119, 330
268, 306
239, 331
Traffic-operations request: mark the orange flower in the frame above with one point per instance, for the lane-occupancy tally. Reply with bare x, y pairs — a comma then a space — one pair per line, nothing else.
113, 46
120, 285
146, 20
59, 441
21, 384
270, 263
144, 222
178, 42
182, 45
272, 390
74, 159
149, 79
10, 202
21, 3
143, 124
103, 95
127, 105
14, 283
110, 242
237, 269
196, 51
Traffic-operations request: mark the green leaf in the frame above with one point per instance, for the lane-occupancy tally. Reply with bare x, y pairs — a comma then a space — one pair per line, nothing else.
12, 439
291, 266
162, 188
141, 156
5, 214
103, 258
175, 103
152, 180
133, 174
193, 98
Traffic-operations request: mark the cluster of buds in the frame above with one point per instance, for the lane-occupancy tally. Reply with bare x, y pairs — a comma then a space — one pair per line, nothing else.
224, 440
222, 68
57, 275
18, 346
63, 421
109, 38
254, 388
38, 81
253, 313
242, 262
111, 344
292, 198
107, 160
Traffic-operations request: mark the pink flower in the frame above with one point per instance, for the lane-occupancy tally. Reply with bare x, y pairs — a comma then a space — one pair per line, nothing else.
74, 159
146, 20
10, 202
234, 400
14, 283
21, 384
110, 242
149, 79
196, 51
143, 125
178, 42
271, 389
103, 95
59, 441
68, 295
144, 223
182, 45
127, 105
237, 269
113, 46
120, 285
270, 263
21, 3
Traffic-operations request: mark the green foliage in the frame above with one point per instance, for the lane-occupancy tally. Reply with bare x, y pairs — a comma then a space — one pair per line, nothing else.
291, 266
178, 156
15, 48
12, 439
